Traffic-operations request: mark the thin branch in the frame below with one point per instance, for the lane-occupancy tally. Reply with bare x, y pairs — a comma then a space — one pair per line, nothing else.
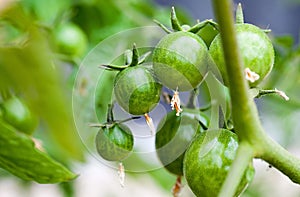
244, 112
241, 162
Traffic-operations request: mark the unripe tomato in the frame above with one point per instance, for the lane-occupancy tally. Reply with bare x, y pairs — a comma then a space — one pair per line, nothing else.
180, 60
114, 143
174, 135
70, 39
136, 90
16, 113
208, 160
256, 51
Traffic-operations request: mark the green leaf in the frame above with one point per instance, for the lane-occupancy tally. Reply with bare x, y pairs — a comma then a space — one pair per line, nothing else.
48, 12
19, 156
29, 69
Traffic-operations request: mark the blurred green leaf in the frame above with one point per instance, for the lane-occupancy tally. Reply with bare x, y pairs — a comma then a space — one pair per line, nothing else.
19, 156
29, 69
47, 13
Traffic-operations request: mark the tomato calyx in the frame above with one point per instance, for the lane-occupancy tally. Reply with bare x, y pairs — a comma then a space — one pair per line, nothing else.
176, 26
111, 122
132, 58
239, 17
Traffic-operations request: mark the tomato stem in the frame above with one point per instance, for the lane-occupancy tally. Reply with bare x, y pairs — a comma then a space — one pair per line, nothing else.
193, 96
244, 112
241, 162
275, 91
110, 115
281, 159
128, 119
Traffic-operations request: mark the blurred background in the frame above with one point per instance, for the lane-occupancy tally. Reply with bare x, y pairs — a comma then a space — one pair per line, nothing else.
43, 44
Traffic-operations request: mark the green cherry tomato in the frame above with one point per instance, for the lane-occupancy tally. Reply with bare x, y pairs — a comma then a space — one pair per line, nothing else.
174, 135
136, 90
180, 60
70, 39
114, 143
16, 113
208, 160
256, 51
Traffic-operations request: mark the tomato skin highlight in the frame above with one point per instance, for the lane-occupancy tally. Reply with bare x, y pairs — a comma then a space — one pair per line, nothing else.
114, 143
174, 135
136, 90
256, 50
207, 162
180, 60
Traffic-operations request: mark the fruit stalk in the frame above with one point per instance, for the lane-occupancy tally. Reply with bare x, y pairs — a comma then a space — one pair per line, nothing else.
244, 156
281, 159
244, 112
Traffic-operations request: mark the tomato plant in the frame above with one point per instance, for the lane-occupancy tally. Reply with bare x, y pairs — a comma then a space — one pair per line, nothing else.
211, 145
217, 162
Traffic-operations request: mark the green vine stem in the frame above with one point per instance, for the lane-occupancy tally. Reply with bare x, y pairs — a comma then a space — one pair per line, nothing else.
281, 159
244, 156
244, 112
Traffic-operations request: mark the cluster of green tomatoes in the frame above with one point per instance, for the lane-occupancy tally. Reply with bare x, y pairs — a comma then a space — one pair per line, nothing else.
183, 142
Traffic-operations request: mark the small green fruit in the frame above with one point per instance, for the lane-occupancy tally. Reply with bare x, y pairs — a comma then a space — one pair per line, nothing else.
208, 160
136, 90
174, 135
70, 39
180, 60
256, 51
16, 113
114, 143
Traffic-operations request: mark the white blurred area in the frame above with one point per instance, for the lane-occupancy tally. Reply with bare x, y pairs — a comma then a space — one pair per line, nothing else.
98, 180
95, 180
